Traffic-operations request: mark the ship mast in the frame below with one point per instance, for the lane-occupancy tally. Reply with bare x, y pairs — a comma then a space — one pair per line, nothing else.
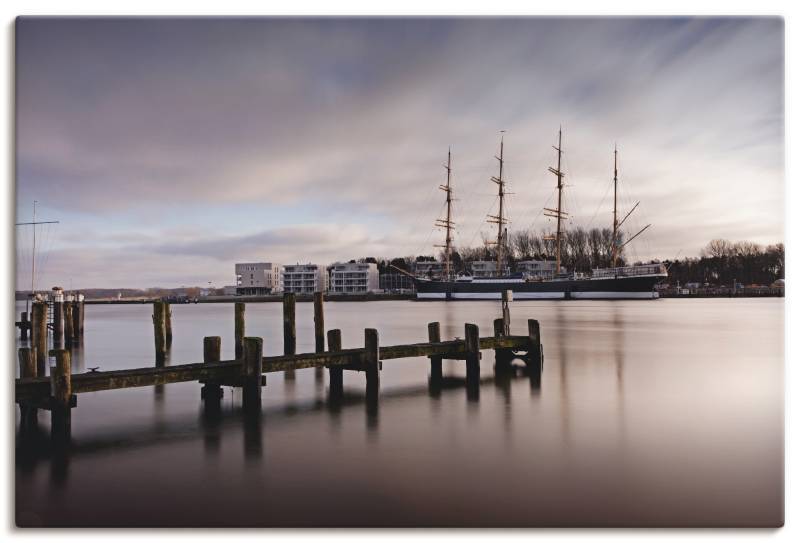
447, 223
614, 248
500, 219
557, 213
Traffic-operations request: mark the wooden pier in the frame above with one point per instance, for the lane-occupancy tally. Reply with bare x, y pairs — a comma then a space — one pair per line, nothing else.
58, 392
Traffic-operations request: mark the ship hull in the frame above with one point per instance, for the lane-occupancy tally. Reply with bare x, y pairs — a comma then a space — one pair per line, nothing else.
621, 288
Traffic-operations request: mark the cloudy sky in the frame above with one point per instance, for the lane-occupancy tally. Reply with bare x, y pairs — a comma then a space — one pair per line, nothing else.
171, 149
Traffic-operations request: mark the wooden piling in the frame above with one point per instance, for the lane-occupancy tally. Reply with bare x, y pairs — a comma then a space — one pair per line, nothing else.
61, 394
289, 329
371, 361
76, 320
473, 356
502, 357
507, 296
39, 336
434, 336
58, 323
159, 331
27, 370
212, 353
69, 334
23, 329
534, 358
238, 329
319, 323
335, 373
168, 323
251, 373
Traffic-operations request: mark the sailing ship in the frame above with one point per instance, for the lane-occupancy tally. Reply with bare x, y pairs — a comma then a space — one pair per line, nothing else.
540, 279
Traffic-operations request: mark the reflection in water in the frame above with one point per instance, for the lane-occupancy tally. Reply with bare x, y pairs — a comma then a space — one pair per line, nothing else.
564, 439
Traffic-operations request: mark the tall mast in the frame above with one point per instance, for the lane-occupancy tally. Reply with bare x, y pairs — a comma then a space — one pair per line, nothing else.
447, 223
616, 224
500, 219
557, 213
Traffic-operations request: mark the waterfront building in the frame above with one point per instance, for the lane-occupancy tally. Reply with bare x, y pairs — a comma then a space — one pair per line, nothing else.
537, 269
396, 283
486, 268
354, 278
304, 278
257, 278
427, 268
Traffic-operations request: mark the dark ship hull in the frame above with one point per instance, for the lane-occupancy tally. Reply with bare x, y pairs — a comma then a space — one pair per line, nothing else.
638, 287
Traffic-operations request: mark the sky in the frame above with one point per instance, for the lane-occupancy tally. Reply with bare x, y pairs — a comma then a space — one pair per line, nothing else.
169, 149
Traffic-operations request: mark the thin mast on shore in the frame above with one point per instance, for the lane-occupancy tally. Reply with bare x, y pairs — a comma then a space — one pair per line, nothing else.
33, 223
614, 247
557, 213
500, 219
447, 223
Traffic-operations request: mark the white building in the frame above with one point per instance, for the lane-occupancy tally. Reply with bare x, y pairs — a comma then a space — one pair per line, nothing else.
354, 278
257, 278
539, 269
304, 278
486, 268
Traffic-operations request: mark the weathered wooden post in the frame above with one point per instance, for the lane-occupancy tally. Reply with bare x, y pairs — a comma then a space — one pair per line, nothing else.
502, 357
251, 373
319, 330
211, 391
69, 334
76, 320
434, 336
289, 329
61, 399
24, 324
507, 296
39, 336
168, 324
473, 354
238, 329
159, 331
58, 317
336, 373
534, 358
27, 370
371, 361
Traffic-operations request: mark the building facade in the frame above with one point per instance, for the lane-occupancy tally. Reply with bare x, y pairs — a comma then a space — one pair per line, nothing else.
354, 278
257, 278
486, 268
396, 283
537, 269
304, 278
432, 270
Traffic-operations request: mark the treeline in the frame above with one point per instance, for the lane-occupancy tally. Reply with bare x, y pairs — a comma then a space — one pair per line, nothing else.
722, 262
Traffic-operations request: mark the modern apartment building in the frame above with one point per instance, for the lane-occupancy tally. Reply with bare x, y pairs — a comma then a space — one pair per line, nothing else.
428, 269
354, 278
257, 278
485, 268
304, 278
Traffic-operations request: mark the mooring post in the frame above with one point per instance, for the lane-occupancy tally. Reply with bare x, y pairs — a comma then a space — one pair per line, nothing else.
78, 328
372, 362
472, 348
508, 296
319, 330
76, 320
211, 391
27, 370
251, 373
534, 347
168, 324
39, 336
335, 373
502, 357
69, 334
238, 329
23, 329
289, 329
58, 319
61, 399
434, 336
159, 331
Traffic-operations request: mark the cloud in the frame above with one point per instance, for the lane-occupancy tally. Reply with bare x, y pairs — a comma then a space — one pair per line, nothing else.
350, 120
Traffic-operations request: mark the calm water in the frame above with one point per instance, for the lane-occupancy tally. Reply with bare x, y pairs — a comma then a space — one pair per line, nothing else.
665, 413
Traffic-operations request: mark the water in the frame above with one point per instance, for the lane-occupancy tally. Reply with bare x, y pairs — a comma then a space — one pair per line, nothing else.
666, 413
